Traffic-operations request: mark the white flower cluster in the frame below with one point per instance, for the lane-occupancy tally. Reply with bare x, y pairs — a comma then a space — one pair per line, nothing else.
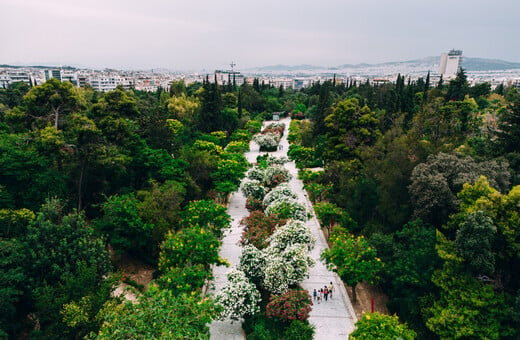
252, 262
276, 275
256, 173
267, 141
239, 297
275, 125
284, 206
273, 173
252, 188
281, 191
291, 233
288, 267
271, 160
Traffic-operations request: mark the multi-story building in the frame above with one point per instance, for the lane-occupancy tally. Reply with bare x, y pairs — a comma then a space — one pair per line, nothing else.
450, 63
228, 77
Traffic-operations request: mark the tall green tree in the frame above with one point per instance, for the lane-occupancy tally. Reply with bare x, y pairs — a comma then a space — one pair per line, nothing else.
51, 101
352, 258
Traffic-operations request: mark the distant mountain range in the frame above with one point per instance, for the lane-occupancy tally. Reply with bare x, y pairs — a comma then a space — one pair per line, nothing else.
469, 64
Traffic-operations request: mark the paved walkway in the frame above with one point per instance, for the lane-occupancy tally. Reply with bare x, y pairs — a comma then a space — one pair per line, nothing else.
335, 318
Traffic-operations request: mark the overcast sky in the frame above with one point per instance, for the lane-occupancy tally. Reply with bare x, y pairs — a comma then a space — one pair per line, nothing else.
208, 34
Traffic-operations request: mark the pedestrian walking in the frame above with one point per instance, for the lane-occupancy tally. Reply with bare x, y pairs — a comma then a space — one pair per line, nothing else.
331, 290
321, 294
325, 293
314, 294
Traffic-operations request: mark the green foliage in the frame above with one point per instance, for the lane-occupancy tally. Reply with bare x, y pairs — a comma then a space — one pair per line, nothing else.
185, 279
352, 258
258, 227
376, 326
292, 305
207, 214
189, 246
12, 281
126, 230
349, 126
160, 314
474, 241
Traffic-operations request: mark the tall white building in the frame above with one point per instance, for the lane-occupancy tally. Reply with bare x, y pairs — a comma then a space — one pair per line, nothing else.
449, 64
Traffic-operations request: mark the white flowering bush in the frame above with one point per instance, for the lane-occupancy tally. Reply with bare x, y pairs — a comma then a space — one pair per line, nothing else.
256, 173
281, 191
287, 208
276, 174
252, 188
291, 233
276, 274
252, 263
271, 160
239, 297
288, 267
268, 141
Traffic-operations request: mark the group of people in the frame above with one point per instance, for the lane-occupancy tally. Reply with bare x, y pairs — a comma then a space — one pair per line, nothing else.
323, 294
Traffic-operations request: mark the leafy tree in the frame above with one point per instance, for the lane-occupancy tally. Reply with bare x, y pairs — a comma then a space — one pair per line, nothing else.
72, 242
185, 279
206, 214
27, 177
458, 87
188, 247
52, 100
474, 242
350, 125
352, 258
467, 307
75, 268
160, 206
13, 223
376, 326
160, 314
434, 184
12, 283
125, 229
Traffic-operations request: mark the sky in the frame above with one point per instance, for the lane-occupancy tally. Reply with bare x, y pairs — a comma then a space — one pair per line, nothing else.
209, 34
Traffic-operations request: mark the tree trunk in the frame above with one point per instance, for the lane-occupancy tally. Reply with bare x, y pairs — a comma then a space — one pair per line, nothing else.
354, 297
80, 184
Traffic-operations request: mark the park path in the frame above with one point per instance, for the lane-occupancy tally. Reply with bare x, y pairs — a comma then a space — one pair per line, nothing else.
335, 318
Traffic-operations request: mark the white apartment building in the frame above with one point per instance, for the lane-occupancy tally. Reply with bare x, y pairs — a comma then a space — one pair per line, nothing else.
450, 63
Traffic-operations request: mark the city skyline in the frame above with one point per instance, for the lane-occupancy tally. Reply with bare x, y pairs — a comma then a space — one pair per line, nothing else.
209, 34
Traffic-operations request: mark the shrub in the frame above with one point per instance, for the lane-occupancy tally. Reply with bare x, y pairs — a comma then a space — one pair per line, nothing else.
271, 160
253, 204
238, 298
299, 330
288, 267
258, 227
252, 188
256, 173
287, 208
275, 175
268, 141
293, 232
237, 147
279, 192
252, 263
184, 279
240, 136
295, 304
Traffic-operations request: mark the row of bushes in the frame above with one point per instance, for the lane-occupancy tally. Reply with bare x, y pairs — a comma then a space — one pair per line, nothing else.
274, 259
